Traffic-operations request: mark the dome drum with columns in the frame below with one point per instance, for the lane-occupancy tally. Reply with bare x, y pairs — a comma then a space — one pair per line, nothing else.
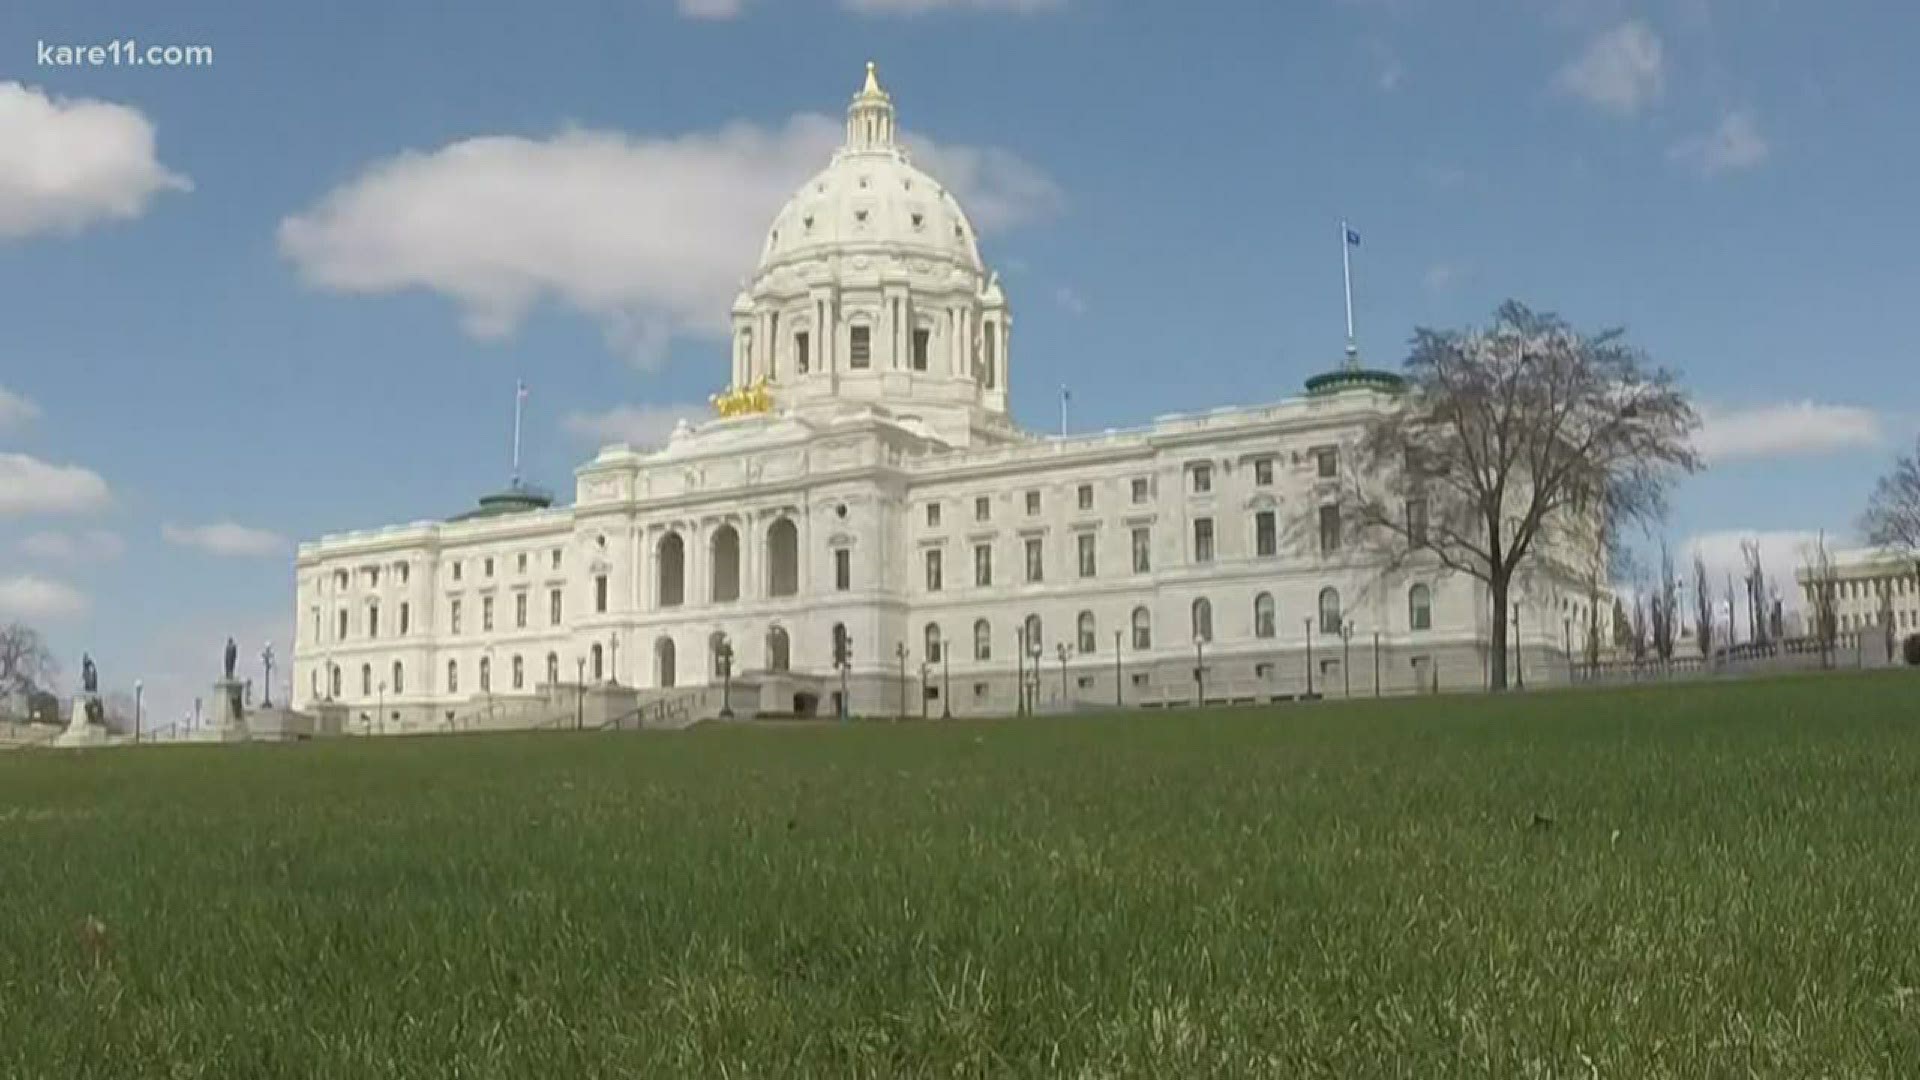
871, 290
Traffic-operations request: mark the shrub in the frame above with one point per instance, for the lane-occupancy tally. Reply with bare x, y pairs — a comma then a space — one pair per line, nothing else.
1912, 650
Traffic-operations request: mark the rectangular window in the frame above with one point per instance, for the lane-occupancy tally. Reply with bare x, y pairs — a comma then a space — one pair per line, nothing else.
842, 569
1085, 541
859, 347
1085, 496
600, 593
453, 618
982, 508
934, 570
933, 515
520, 611
922, 342
1202, 478
982, 565
456, 570
1329, 461
342, 636
1035, 560
556, 558
1266, 540
1203, 540
802, 359
1142, 550
1033, 503
486, 614
1329, 530
1416, 522
406, 618
1139, 489
521, 566
373, 621
489, 565
1263, 472
553, 607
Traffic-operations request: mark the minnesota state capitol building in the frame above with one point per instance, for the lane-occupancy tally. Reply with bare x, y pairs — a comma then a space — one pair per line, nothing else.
863, 496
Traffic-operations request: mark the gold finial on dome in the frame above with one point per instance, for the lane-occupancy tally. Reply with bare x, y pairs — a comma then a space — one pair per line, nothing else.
872, 89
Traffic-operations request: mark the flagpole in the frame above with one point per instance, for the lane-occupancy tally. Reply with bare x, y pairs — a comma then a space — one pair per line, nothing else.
1346, 271
1063, 410
519, 396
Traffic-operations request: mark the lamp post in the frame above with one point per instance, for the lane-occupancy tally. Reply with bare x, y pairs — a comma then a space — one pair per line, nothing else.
900, 654
723, 652
1118, 701
380, 715
138, 689
946, 681
1566, 633
1019, 670
1033, 673
1519, 658
613, 659
1309, 621
266, 661
925, 667
1346, 653
1199, 671
845, 663
1060, 647
333, 677
580, 694
1376, 663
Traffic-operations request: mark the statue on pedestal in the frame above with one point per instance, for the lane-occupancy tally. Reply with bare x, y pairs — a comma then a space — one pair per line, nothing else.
89, 675
233, 654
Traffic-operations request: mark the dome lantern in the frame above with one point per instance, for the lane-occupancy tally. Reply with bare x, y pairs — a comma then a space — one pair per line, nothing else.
870, 118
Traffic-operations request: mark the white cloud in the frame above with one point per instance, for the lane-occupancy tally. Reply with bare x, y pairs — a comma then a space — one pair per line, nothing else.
225, 538
31, 486
1622, 70
25, 596
923, 7
712, 9
1734, 145
15, 410
1784, 429
1070, 300
89, 545
649, 236
640, 425
66, 163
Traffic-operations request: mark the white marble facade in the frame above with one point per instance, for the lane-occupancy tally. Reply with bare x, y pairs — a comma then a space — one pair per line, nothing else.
887, 495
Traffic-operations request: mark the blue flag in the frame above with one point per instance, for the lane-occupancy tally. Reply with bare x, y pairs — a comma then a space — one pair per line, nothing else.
1353, 238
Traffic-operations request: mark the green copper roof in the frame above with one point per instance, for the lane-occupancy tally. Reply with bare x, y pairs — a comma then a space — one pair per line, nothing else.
516, 499
1332, 382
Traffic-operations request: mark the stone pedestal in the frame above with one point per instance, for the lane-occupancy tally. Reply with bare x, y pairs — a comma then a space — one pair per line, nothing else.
228, 722
81, 730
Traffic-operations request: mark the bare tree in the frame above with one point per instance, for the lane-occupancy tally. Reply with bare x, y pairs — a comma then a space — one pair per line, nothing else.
1893, 513
1885, 616
1823, 598
1702, 607
26, 664
1756, 585
1524, 432
1666, 610
1639, 625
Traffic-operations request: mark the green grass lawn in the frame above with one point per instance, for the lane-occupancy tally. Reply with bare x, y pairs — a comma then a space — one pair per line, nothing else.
1729, 886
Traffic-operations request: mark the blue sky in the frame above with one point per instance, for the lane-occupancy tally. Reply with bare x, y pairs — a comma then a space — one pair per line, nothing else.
289, 293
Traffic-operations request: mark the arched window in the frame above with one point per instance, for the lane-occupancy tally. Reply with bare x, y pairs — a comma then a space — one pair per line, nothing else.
399, 678
1329, 610
334, 689
366, 680
670, 559
519, 673
1420, 608
933, 643
725, 551
1142, 629
553, 669
486, 674
663, 663
1203, 619
1035, 639
1085, 627
599, 663
982, 640
779, 650
783, 558
841, 644
1263, 615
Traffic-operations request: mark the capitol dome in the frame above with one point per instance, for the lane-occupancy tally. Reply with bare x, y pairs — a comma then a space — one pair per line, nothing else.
871, 292
871, 196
